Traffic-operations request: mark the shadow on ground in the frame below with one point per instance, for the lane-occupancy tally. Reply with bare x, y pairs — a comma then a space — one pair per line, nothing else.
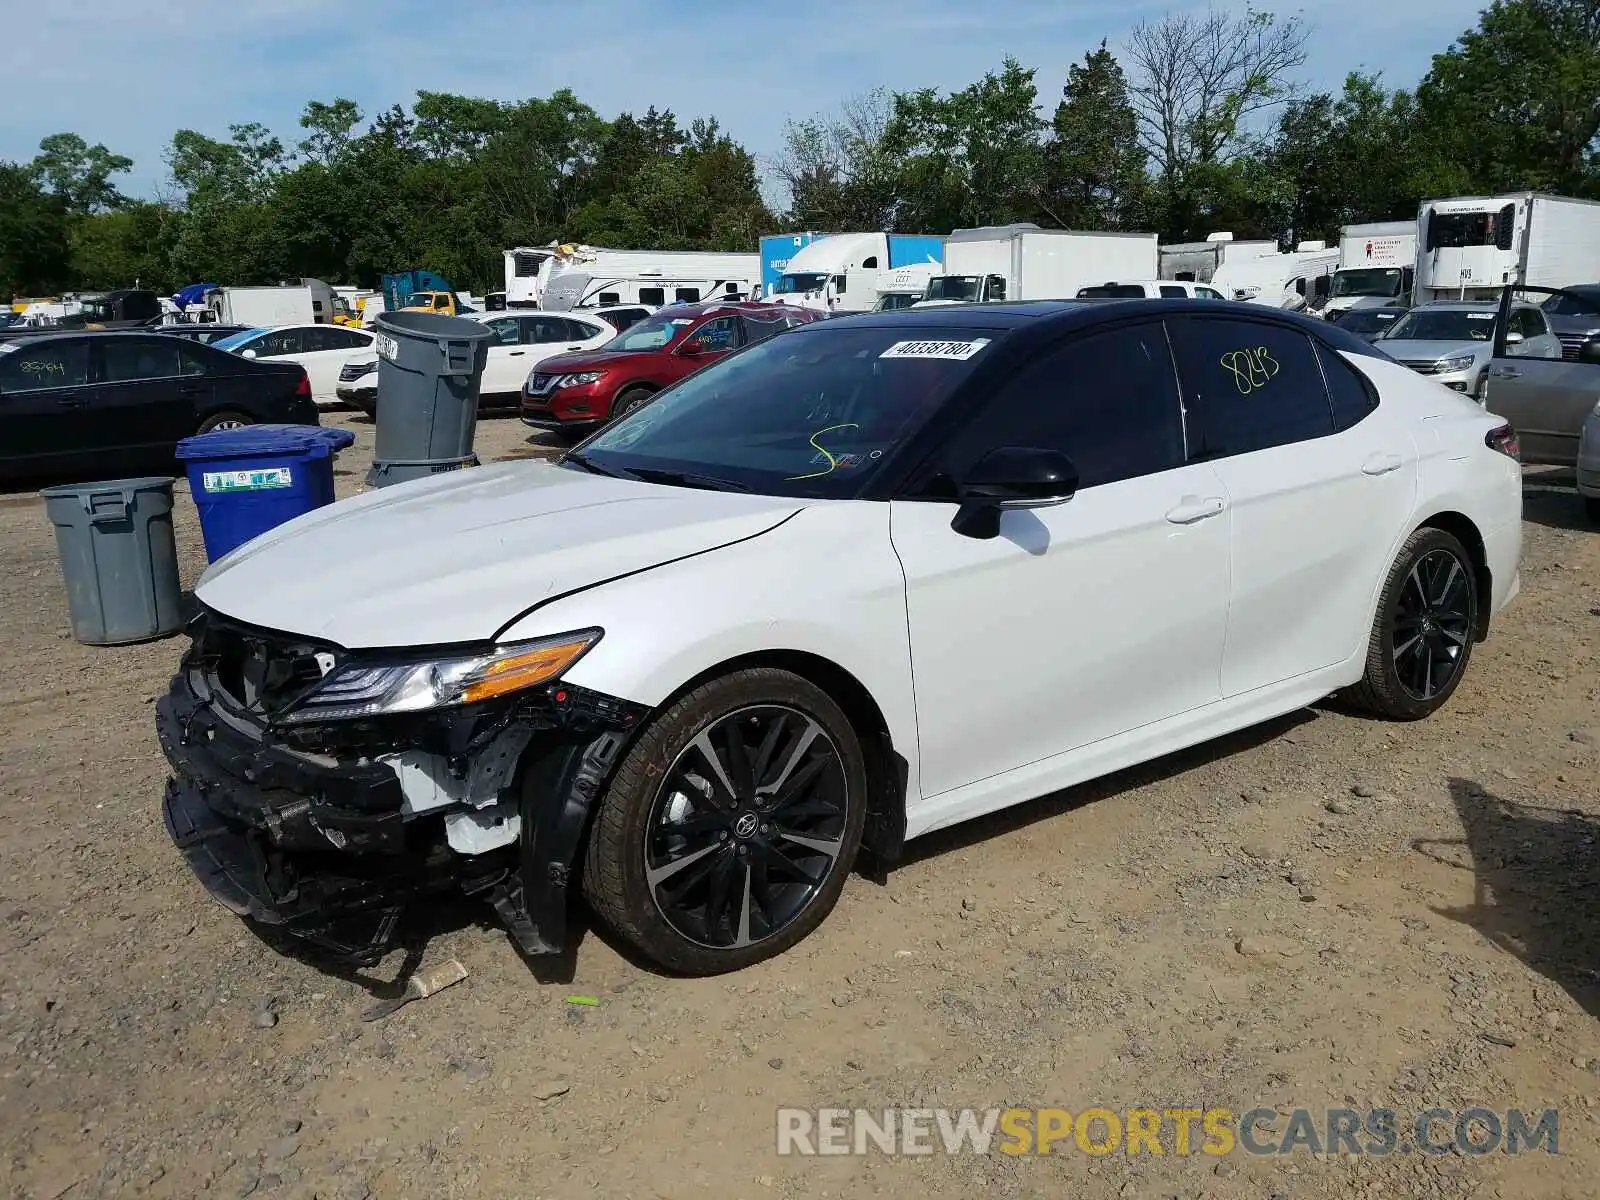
1537, 885
1550, 498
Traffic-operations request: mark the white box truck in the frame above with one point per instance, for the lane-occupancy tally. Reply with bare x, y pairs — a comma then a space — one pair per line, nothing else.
1377, 262
1296, 279
1025, 262
306, 303
1468, 247
1198, 262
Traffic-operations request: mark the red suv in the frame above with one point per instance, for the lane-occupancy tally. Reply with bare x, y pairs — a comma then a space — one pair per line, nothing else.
579, 391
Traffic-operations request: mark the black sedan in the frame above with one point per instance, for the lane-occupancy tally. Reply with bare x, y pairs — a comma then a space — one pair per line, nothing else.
99, 404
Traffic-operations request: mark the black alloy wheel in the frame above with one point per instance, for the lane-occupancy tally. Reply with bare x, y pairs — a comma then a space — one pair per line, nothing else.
748, 825
1422, 634
1432, 624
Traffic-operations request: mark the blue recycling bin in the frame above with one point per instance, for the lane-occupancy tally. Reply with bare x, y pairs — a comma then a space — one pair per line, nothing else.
248, 480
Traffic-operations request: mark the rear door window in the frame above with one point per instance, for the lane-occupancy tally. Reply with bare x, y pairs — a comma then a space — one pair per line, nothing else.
53, 363
653, 295
1248, 385
124, 360
1173, 292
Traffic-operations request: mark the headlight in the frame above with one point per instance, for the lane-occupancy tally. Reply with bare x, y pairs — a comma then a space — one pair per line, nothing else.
365, 690
579, 379
1461, 362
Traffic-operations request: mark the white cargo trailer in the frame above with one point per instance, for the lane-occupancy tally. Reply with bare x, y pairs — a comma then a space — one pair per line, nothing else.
1025, 262
574, 276
1468, 247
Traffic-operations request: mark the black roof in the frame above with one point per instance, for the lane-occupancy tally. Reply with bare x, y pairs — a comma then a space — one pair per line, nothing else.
1046, 319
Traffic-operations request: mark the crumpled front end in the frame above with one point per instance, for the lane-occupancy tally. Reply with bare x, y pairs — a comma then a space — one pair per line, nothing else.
330, 830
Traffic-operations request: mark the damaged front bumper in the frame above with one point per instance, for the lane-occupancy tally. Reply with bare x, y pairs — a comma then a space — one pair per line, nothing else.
329, 832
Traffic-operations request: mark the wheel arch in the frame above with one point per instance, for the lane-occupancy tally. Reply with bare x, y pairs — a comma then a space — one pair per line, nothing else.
887, 769
1462, 527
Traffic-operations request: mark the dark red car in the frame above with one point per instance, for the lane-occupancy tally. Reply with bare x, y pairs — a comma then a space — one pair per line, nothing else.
577, 392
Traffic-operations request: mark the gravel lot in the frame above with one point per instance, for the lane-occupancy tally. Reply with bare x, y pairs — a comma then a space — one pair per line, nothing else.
1327, 911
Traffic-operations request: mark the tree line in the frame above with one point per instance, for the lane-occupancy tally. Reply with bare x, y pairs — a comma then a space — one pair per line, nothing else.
1199, 121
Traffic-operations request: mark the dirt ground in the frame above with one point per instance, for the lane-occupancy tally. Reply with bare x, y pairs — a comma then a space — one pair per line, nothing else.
1325, 912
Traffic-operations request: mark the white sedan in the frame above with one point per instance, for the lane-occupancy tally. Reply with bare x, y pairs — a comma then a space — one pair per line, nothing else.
859, 581
522, 340
321, 349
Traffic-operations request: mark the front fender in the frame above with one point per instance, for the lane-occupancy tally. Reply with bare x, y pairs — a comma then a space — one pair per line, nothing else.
825, 583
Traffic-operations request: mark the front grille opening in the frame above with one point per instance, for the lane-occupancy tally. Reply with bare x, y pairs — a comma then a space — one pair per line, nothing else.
260, 673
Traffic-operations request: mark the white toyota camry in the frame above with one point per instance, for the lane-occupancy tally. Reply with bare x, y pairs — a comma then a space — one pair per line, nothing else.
862, 580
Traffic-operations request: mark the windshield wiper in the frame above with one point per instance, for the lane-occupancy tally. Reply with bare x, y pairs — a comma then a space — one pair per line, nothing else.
692, 479
594, 468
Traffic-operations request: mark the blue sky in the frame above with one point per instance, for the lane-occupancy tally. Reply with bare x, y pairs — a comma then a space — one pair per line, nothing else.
129, 74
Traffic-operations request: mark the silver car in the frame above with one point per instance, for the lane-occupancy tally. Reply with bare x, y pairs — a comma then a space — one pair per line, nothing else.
1552, 405
1454, 341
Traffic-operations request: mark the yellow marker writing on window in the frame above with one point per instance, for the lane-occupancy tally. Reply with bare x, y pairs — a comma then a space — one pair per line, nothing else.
833, 463
1252, 369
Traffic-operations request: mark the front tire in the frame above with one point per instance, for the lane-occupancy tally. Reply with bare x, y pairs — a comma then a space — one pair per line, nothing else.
1422, 634
728, 830
630, 400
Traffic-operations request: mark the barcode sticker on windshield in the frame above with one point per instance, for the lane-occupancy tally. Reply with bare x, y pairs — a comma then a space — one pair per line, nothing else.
1472, 316
959, 351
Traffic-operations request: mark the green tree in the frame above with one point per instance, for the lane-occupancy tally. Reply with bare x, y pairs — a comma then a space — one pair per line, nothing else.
967, 158
34, 255
80, 173
1094, 166
1516, 101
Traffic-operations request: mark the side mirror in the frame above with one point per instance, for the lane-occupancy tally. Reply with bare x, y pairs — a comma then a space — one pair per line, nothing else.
1513, 338
1589, 352
1011, 477
692, 347
247, 354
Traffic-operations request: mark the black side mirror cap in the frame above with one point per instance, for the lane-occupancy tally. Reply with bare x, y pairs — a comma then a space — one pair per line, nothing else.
1589, 352
1011, 477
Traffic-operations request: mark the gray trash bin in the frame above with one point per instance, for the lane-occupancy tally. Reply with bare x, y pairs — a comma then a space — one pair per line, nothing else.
118, 559
429, 370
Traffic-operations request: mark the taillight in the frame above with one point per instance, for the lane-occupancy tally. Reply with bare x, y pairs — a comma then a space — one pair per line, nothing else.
303, 386
1503, 438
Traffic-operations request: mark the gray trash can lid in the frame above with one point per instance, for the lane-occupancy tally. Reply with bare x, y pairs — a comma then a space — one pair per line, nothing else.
433, 327
145, 483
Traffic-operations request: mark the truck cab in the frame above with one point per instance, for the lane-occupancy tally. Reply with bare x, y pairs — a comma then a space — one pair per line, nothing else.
443, 303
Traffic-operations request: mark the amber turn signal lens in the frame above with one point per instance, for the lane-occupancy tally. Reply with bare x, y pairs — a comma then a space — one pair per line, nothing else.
524, 670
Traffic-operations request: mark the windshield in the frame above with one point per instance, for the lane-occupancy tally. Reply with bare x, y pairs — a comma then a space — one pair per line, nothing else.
890, 301
1450, 325
953, 287
234, 340
1366, 320
1455, 230
96, 310
791, 285
802, 414
1367, 281
655, 332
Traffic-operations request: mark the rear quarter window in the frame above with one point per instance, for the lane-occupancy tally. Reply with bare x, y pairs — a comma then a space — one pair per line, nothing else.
1351, 394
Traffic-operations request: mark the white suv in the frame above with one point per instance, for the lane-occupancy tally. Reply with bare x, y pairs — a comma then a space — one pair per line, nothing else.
1150, 289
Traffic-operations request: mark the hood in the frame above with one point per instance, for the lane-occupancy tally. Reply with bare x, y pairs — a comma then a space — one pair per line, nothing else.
1340, 304
591, 360
1582, 323
1418, 350
454, 557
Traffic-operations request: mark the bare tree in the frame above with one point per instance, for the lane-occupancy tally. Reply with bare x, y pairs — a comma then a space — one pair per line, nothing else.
829, 163
1197, 79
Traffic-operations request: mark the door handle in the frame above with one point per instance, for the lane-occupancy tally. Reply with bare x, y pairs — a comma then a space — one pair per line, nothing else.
1382, 464
1504, 373
1191, 509
517, 353
570, 349
72, 402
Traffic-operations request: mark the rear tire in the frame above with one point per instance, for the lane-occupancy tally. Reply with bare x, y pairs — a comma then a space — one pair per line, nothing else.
224, 420
729, 828
1422, 634
629, 400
